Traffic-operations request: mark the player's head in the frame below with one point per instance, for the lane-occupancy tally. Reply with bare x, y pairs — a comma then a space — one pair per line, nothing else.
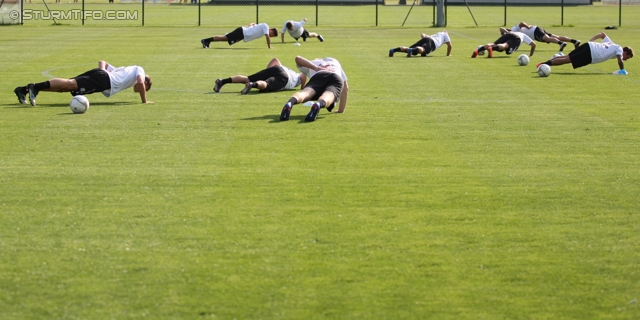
289, 25
627, 53
147, 82
273, 32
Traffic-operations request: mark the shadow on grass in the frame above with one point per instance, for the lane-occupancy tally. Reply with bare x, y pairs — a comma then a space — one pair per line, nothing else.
66, 105
276, 118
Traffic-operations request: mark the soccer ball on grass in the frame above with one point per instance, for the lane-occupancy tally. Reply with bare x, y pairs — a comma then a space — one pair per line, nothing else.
79, 104
544, 70
523, 60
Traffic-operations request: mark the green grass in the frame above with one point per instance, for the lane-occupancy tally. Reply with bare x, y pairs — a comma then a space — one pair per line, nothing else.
451, 188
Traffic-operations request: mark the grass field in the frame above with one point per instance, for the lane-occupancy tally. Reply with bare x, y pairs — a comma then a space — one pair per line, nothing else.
451, 188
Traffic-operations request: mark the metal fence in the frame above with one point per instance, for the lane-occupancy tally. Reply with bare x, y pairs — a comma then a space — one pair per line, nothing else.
326, 13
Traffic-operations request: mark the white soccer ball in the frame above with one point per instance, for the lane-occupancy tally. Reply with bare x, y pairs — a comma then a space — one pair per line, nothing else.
544, 70
523, 60
559, 54
79, 104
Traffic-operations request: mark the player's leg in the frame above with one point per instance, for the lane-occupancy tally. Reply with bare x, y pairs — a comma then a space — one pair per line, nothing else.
274, 62
298, 97
327, 98
575, 42
398, 49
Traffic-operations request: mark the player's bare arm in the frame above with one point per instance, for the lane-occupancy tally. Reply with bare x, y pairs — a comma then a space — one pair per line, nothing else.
448, 48
533, 48
344, 94
303, 80
620, 62
141, 88
103, 65
600, 35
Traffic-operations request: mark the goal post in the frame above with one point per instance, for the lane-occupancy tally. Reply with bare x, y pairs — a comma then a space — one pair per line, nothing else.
10, 12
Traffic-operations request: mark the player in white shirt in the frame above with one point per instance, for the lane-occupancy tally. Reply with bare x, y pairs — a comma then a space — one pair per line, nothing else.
539, 34
509, 42
106, 79
595, 52
251, 32
296, 30
327, 84
426, 45
275, 77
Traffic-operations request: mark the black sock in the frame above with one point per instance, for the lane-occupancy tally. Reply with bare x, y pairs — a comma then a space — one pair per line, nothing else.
495, 48
573, 41
548, 62
42, 85
396, 49
208, 39
322, 103
481, 49
560, 43
254, 84
227, 80
293, 101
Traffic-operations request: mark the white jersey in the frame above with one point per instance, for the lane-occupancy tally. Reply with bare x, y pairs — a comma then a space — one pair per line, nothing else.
604, 51
297, 29
122, 78
255, 32
530, 32
329, 64
294, 78
523, 37
439, 39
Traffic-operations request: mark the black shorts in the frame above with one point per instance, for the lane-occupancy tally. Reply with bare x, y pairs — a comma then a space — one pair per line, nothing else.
95, 80
511, 40
324, 81
539, 33
304, 36
581, 56
427, 44
235, 36
275, 77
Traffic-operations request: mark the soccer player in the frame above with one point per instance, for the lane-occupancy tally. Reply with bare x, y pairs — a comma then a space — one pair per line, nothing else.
509, 42
275, 77
106, 79
539, 34
251, 32
594, 52
296, 31
426, 45
327, 84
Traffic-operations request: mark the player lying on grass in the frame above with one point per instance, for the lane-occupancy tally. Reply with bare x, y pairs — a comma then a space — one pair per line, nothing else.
327, 84
105, 79
539, 34
251, 32
296, 30
426, 45
509, 42
275, 77
594, 52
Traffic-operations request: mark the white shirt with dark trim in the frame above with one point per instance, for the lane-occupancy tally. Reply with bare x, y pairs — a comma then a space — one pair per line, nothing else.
440, 38
255, 32
297, 29
530, 32
329, 64
294, 78
122, 78
605, 50
523, 37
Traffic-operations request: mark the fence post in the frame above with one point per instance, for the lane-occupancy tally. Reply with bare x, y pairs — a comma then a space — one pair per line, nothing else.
505, 13
376, 13
619, 13
562, 13
433, 8
257, 9
82, 12
316, 13
142, 12
199, 12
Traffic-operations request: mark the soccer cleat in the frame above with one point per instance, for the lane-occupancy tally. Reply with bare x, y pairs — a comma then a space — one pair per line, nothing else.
320, 38
286, 111
218, 85
391, 53
311, 116
205, 44
475, 53
247, 88
21, 96
490, 54
33, 92
577, 44
564, 44
409, 52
